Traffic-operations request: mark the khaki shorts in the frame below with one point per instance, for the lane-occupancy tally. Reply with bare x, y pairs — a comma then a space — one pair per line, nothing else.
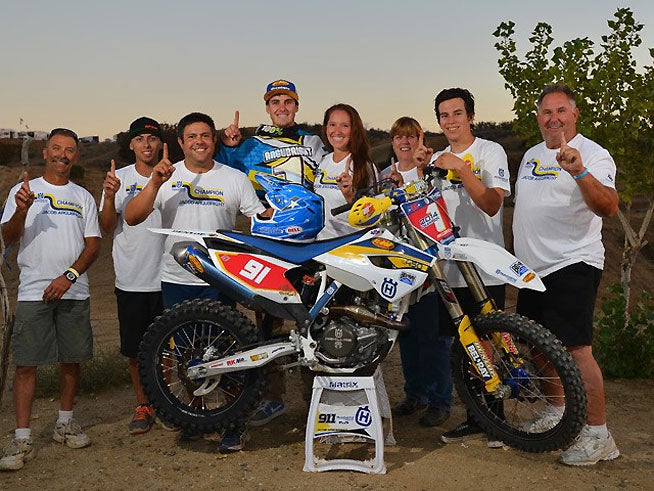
49, 333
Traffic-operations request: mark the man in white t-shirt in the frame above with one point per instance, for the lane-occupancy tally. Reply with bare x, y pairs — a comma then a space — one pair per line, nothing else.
474, 190
56, 223
196, 193
136, 253
565, 186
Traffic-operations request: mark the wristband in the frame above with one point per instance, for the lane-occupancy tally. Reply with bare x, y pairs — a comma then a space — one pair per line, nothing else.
579, 176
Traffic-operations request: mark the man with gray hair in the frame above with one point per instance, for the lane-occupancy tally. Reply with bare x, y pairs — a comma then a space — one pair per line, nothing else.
565, 186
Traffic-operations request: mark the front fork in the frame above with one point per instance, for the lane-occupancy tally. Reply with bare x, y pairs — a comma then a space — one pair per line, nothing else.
467, 335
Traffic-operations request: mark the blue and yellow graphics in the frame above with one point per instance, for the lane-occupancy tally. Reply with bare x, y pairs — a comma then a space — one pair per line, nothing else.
59, 206
197, 195
537, 171
133, 189
453, 176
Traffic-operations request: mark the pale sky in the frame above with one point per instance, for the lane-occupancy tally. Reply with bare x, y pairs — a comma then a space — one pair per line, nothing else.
95, 66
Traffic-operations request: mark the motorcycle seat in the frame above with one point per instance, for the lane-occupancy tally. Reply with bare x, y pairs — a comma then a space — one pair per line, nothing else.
291, 251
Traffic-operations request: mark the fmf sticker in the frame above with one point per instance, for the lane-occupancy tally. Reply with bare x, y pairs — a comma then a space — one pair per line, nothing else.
383, 244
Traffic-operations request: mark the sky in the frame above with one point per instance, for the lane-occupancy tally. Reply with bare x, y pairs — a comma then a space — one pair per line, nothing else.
94, 66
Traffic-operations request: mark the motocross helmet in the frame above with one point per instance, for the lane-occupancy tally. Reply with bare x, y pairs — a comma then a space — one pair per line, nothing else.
298, 214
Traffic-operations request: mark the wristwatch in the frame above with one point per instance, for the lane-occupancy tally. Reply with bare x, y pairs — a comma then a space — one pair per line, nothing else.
70, 276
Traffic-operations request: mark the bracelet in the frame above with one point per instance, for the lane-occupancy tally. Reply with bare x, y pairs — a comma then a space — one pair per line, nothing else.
579, 176
74, 271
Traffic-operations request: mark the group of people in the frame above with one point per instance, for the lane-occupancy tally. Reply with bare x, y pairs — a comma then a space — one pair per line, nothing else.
57, 226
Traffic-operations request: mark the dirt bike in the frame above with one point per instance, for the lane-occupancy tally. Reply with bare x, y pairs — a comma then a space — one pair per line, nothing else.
201, 361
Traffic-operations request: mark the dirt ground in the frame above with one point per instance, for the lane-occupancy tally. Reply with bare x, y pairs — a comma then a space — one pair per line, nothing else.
275, 454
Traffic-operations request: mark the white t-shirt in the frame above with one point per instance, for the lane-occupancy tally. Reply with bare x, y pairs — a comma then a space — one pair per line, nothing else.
56, 225
326, 186
136, 251
488, 162
408, 176
552, 225
207, 201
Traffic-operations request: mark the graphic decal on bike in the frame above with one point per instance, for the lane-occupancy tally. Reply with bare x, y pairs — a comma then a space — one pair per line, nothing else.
389, 288
363, 416
397, 253
430, 218
255, 272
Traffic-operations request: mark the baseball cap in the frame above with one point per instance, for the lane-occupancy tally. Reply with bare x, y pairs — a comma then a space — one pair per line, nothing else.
279, 87
144, 125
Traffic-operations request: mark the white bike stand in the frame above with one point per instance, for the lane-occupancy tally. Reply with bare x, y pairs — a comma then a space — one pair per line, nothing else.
344, 409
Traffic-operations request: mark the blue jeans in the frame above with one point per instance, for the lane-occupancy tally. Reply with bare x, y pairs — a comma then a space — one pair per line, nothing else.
426, 356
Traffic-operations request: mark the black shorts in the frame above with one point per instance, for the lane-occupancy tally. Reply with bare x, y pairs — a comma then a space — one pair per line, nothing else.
469, 306
567, 306
136, 311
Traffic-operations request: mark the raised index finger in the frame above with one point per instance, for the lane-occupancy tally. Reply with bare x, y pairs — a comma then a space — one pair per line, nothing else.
165, 151
236, 117
563, 142
112, 170
421, 138
348, 164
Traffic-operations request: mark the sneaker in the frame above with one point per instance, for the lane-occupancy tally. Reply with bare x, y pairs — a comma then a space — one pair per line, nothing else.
547, 420
71, 434
434, 416
590, 448
408, 406
465, 431
142, 421
495, 444
164, 425
268, 410
16, 454
233, 441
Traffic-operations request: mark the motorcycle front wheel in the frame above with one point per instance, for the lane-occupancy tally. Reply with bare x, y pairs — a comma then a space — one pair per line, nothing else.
541, 405
188, 334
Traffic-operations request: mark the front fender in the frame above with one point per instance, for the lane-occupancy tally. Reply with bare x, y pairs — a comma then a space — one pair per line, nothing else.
493, 260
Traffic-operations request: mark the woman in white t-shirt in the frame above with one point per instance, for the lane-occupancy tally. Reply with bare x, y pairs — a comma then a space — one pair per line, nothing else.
347, 168
424, 351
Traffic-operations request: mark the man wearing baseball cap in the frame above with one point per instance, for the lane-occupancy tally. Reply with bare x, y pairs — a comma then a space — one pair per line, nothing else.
286, 151
280, 148
136, 252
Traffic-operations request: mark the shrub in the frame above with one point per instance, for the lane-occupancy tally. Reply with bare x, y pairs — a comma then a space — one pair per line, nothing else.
77, 173
625, 350
105, 370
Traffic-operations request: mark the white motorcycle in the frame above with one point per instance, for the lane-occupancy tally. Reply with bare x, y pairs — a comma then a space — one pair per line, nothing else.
201, 361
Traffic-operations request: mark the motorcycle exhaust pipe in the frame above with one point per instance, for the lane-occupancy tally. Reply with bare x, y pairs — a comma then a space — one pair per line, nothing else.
194, 258
364, 316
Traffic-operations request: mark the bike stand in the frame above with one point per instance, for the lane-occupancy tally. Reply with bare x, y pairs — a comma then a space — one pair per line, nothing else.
344, 409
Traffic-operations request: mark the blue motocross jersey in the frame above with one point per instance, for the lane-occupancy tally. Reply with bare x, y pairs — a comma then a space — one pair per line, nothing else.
288, 153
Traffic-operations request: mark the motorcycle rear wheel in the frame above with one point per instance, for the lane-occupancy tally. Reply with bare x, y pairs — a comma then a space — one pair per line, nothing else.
179, 339
542, 373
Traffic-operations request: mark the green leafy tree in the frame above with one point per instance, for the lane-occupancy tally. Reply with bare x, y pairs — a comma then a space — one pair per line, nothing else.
616, 103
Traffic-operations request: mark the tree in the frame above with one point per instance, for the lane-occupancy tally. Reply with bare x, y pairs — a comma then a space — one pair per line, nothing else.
615, 100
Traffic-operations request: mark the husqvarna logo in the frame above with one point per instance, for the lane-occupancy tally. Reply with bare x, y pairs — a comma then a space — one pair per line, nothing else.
389, 288
363, 417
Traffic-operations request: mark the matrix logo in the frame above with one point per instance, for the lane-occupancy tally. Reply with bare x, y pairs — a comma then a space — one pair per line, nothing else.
343, 385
